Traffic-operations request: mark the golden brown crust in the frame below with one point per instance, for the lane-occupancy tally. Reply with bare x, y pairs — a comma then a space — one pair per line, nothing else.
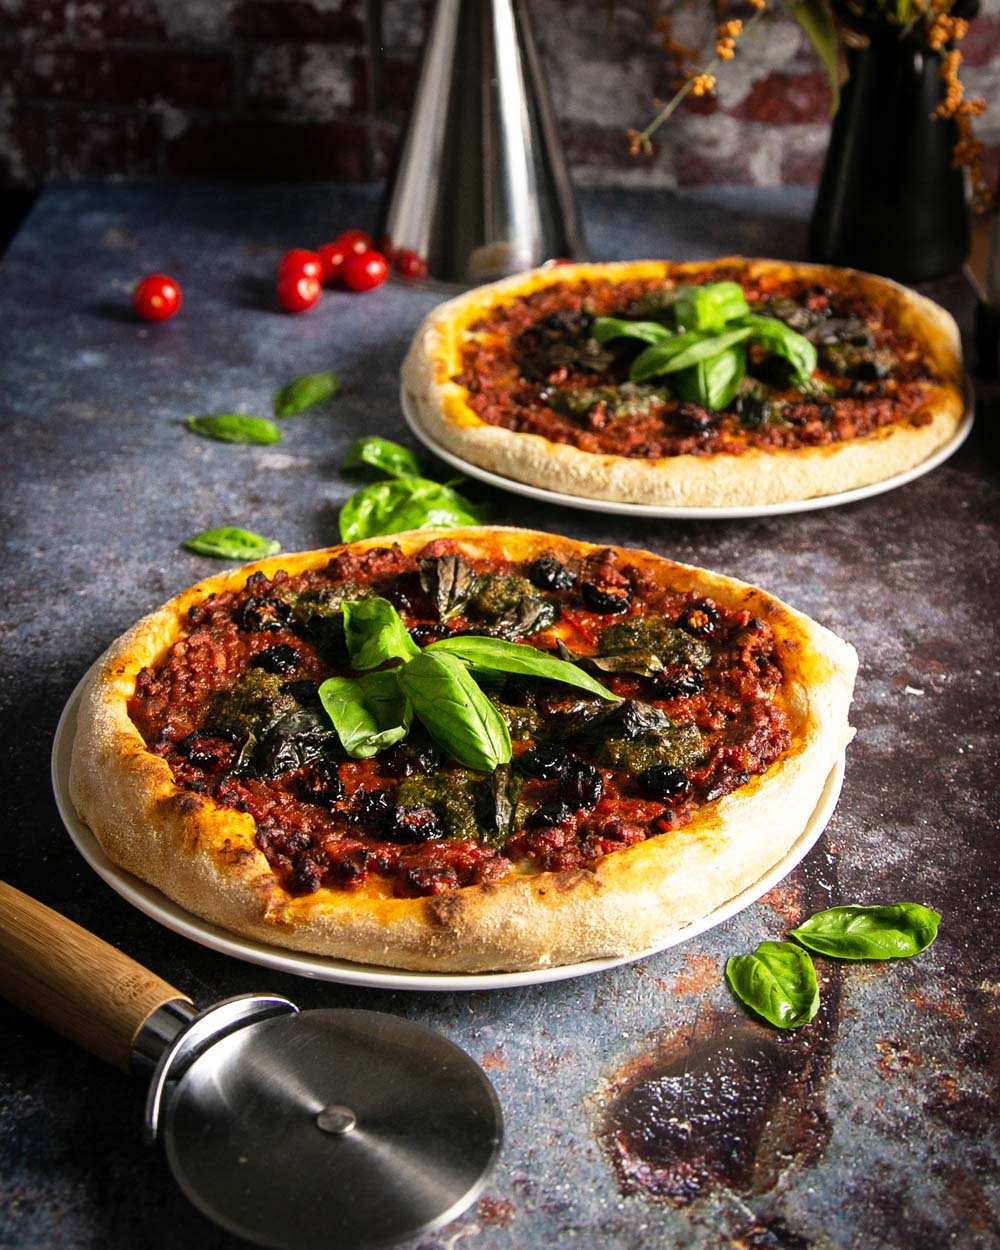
204, 856
755, 477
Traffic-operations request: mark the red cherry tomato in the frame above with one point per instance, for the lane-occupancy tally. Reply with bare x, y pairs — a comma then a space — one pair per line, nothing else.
302, 263
364, 271
157, 297
356, 241
297, 292
332, 257
409, 264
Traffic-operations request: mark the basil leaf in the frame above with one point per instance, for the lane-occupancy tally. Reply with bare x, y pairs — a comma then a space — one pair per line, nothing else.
781, 340
713, 383
489, 656
311, 388
895, 931
455, 712
709, 307
230, 543
449, 580
376, 633
369, 713
684, 350
641, 663
233, 427
607, 328
496, 805
778, 981
292, 741
382, 453
404, 504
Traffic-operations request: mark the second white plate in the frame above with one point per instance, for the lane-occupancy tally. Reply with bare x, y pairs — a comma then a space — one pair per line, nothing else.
687, 514
170, 914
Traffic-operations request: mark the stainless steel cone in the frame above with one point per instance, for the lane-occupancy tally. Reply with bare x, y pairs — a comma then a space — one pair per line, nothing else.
481, 188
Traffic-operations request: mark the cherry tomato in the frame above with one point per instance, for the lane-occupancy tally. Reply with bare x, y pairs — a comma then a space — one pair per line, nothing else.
356, 241
297, 292
157, 297
409, 264
364, 271
332, 257
301, 263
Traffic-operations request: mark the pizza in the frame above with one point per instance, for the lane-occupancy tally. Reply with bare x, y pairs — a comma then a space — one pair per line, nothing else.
730, 382
461, 750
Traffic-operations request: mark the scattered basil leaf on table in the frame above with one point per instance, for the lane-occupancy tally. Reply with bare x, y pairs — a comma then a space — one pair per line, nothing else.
895, 931
455, 712
493, 657
710, 306
605, 329
778, 981
234, 427
404, 504
230, 543
450, 581
375, 633
713, 383
382, 453
311, 388
369, 713
684, 350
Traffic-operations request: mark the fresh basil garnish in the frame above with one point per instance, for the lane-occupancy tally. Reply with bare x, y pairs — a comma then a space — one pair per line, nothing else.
449, 580
234, 427
292, 741
778, 982
711, 306
683, 351
230, 543
780, 340
493, 657
404, 504
369, 713
895, 931
311, 388
382, 453
376, 634
641, 663
607, 328
713, 382
455, 712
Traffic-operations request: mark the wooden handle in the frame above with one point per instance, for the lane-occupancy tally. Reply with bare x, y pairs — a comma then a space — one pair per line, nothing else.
72, 981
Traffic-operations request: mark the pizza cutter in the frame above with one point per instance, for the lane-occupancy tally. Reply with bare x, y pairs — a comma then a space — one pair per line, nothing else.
299, 1130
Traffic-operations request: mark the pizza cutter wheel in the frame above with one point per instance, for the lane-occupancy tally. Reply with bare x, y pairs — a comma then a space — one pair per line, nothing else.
312, 1130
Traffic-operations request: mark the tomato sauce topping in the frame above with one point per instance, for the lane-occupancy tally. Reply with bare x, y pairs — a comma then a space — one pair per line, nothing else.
233, 707
533, 367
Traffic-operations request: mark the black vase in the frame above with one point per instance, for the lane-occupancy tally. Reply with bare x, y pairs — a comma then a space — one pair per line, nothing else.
890, 200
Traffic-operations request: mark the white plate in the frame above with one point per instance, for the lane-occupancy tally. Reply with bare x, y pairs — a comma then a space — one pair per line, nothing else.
689, 514
149, 900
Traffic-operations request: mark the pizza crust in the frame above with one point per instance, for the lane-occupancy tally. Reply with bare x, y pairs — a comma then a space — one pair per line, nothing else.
723, 480
204, 856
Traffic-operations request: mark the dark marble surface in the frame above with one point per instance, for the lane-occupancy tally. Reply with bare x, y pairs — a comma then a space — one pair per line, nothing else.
877, 1126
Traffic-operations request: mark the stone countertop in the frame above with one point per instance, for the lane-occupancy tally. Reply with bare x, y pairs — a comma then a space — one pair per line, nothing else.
643, 1107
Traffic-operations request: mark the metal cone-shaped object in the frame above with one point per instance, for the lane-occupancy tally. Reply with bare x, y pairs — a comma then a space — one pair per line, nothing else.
481, 188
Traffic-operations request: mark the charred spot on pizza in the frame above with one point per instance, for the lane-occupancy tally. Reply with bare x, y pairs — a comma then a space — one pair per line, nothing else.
700, 708
540, 369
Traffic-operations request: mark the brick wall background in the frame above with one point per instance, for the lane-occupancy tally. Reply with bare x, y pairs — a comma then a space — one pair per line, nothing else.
320, 88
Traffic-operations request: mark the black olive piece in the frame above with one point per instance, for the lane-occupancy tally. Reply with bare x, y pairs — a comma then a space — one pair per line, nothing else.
408, 825
259, 615
546, 760
663, 781
302, 691
608, 600
279, 660
321, 783
548, 573
370, 807
581, 785
424, 635
548, 815
695, 417
210, 752
680, 686
870, 371
701, 620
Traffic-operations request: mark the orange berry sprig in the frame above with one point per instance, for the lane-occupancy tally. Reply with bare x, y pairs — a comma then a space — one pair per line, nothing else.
959, 108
